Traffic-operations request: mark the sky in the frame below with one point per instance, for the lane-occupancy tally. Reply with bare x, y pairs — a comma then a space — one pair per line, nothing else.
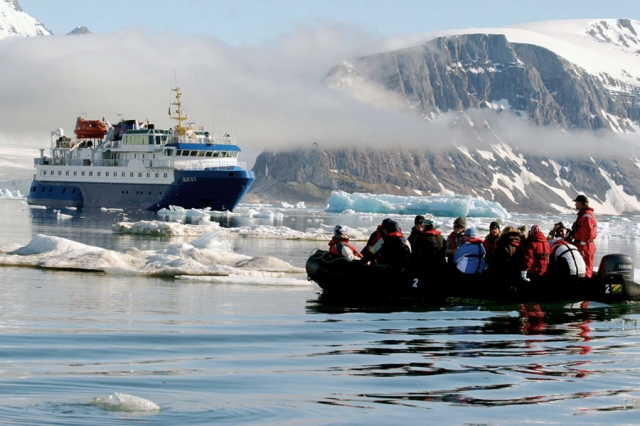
254, 67
258, 21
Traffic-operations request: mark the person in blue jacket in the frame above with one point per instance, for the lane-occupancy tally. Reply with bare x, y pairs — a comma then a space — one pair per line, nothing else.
470, 256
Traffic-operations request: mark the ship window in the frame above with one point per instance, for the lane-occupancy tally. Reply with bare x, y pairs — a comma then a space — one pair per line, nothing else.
90, 173
44, 172
130, 174
223, 154
123, 174
43, 189
165, 175
148, 175
135, 155
200, 153
216, 154
209, 154
64, 190
66, 173
51, 189
106, 174
194, 153
185, 152
82, 173
157, 174
59, 172
178, 152
99, 173
75, 173
139, 174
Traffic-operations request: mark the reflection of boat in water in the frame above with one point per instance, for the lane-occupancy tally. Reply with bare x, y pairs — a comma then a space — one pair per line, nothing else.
134, 165
340, 277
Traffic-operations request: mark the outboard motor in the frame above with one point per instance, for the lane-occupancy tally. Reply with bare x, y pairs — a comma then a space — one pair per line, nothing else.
616, 265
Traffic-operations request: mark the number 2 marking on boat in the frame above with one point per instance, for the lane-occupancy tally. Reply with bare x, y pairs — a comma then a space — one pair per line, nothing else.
607, 289
415, 283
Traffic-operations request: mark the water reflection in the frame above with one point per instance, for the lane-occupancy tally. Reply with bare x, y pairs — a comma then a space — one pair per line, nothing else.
499, 352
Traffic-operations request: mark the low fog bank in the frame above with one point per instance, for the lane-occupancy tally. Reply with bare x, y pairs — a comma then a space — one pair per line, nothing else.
272, 95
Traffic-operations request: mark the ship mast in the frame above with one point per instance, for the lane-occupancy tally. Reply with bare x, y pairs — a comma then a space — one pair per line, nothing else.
179, 117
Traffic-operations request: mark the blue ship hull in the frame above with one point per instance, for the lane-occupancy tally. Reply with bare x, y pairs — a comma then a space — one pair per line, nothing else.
217, 189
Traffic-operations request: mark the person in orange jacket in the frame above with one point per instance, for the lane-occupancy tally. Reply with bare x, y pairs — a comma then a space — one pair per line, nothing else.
584, 231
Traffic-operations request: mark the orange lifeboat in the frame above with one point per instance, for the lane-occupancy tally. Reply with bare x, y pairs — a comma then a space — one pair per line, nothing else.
90, 129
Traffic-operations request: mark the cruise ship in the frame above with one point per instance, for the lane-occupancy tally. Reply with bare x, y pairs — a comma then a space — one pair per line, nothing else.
134, 165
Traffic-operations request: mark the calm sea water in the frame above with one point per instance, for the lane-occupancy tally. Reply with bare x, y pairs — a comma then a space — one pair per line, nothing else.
209, 353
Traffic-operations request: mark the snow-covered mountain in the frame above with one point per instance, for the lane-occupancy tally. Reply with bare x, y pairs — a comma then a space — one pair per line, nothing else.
16, 22
542, 112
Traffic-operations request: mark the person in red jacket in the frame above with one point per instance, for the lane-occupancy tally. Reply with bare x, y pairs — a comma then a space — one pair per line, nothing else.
584, 231
339, 245
536, 252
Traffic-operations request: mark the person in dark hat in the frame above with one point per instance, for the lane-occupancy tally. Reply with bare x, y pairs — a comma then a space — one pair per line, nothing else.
584, 231
555, 231
392, 249
490, 240
339, 245
428, 253
456, 237
416, 231
374, 237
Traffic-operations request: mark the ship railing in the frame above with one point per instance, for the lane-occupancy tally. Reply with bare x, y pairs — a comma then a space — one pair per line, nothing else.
202, 165
218, 140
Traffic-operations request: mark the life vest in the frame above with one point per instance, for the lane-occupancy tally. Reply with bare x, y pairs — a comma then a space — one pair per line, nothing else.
335, 250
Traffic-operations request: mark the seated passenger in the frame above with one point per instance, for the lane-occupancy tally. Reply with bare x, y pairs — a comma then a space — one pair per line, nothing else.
416, 232
456, 237
561, 234
565, 260
429, 250
339, 245
536, 254
392, 249
374, 237
507, 257
490, 240
469, 258
553, 234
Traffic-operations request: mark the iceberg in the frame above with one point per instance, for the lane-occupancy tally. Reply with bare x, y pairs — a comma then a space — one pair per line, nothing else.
436, 205
6, 193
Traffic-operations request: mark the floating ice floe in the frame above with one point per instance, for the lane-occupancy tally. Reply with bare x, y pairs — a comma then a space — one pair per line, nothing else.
123, 402
155, 227
6, 193
205, 256
437, 205
323, 233
299, 205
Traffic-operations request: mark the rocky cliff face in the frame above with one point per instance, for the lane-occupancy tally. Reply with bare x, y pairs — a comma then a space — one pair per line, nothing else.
485, 70
453, 76
519, 182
